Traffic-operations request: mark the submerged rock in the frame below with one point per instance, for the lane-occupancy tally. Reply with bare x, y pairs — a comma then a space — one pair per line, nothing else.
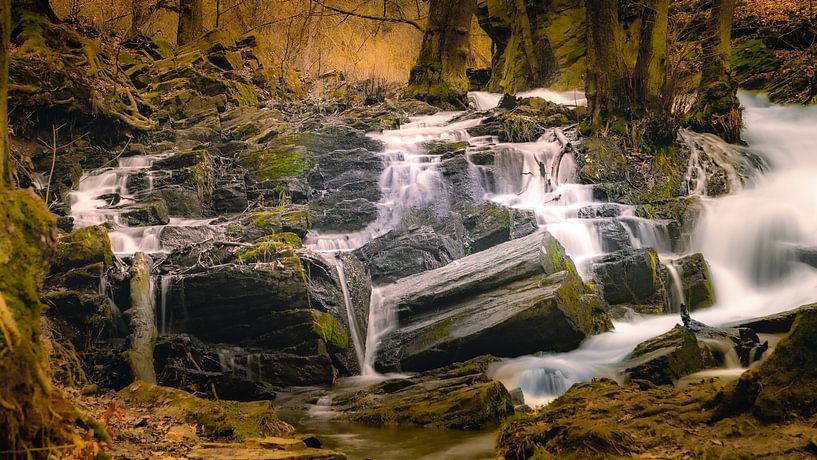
515, 298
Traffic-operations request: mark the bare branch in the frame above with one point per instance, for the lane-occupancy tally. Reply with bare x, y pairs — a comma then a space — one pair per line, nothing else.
372, 18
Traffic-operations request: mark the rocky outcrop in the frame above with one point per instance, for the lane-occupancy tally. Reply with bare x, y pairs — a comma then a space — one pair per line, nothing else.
459, 396
515, 298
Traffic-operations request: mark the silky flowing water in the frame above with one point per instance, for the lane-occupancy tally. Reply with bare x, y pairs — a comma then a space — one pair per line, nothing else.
750, 238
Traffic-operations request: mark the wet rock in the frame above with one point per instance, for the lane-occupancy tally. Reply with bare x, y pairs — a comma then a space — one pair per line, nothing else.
630, 276
613, 235
530, 119
682, 351
696, 282
784, 385
603, 210
146, 213
174, 237
778, 323
295, 219
343, 215
491, 224
459, 396
398, 254
515, 298
230, 195
601, 160
374, 117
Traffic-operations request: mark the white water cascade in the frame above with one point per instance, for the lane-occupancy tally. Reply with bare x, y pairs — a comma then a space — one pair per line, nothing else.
749, 238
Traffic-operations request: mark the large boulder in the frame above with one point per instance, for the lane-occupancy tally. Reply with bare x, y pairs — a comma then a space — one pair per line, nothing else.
519, 297
86, 246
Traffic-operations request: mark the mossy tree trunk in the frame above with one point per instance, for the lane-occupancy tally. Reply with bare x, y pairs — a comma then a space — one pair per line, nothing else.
142, 320
5, 44
439, 77
140, 13
608, 84
651, 64
717, 109
191, 21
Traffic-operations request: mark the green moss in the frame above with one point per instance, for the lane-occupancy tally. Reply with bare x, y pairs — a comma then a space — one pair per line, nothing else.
280, 247
244, 94
277, 163
278, 219
330, 330
201, 174
83, 247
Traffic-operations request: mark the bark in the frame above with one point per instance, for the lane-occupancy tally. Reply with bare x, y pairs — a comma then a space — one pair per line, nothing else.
608, 88
439, 74
191, 21
717, 109
142, 321
41, 7
650, 66
5, 43
140, 13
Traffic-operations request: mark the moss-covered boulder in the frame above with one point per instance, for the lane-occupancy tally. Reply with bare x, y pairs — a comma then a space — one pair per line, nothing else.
459, 396
531, 118
81, 248
215, 419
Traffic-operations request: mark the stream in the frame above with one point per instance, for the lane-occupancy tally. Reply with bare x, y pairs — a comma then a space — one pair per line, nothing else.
751, 238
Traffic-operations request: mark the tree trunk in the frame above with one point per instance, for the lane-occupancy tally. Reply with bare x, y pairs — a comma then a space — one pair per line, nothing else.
5, 43
608, 89
439, 77
139, 16
717, 109
41, 7
191, 21
142, 321
650, 67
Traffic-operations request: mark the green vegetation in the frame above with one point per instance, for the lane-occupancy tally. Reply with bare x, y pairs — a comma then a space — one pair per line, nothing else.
330, 330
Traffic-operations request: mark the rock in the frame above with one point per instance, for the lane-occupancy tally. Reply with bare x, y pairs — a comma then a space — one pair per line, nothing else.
613, 235
515, 298
459, 396
696, 282
181, 200
682, 351
491, 224
230, 195
398, 254
778, 323
217, 419
79, 317
295, 219
530, 119
180, 160
335, 213
263, 449
601, 160
603, 210
146, 213
86, 246
508, 101
630, 276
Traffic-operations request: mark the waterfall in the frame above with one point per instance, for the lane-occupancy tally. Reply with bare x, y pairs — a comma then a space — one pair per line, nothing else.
750, 240
677, 296
166, 281
350, 313
382, 320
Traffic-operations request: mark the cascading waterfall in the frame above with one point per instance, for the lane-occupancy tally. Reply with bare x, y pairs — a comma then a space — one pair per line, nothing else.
750, 240
350, 314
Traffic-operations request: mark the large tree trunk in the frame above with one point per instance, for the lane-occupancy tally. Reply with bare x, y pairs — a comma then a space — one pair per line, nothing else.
41, 7
142, 320
651, 65
439, 74
717, 109
5, 44
191, 21
608, 88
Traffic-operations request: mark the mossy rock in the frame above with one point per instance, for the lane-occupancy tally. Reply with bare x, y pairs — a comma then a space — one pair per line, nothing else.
602, 160
149, 212
276, 163
531, 118
216, 419
83, 247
